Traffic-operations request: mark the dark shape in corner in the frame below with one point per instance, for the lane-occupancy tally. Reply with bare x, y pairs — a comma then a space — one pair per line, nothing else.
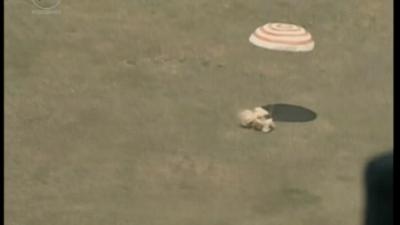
378, 181
290, 113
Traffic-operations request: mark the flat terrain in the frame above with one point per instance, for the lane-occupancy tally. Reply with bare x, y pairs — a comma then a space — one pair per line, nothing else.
124, 112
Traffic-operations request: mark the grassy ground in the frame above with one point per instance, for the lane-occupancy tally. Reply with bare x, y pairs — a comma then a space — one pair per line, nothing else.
124, 112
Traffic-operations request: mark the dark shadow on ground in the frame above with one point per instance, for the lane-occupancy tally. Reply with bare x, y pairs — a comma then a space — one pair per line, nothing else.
290, 113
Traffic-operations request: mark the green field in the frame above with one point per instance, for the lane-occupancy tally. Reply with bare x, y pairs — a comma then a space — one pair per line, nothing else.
124, 112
